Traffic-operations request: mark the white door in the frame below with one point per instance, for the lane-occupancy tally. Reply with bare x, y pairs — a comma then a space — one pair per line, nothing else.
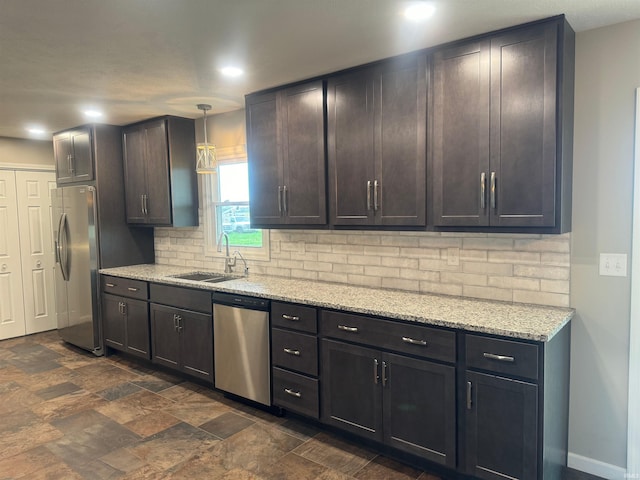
12, 320
36, 241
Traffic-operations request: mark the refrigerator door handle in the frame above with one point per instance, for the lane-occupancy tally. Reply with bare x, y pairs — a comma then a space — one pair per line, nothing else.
63, 247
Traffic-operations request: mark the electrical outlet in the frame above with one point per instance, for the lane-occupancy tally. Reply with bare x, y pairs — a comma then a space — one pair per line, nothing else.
613, 264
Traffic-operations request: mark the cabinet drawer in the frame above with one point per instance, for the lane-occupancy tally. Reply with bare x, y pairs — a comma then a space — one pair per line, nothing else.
295, 392
296, 317
416, 340
188, 298
503, 356
125, 287
295, 351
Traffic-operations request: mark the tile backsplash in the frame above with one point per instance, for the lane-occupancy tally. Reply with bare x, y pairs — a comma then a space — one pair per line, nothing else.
510, 267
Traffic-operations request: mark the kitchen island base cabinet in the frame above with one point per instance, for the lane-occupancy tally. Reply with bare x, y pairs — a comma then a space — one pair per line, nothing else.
406, 403
182, 340
126, 325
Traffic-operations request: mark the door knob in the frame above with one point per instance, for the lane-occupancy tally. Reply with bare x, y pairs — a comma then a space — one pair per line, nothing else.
4, 267
38, 264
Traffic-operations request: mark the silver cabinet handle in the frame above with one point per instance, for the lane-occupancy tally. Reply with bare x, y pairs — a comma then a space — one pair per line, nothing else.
292, 393
376, 377
500, 358
124, 308
483, 190
110, 285
292, 352
70, 163
279, 199
368, 194
413, 341
493, 190
293, 318
469, 396
348, 329
146, 204
131, 289
142, 203
375, 195
384, 374
284, 200
120, 308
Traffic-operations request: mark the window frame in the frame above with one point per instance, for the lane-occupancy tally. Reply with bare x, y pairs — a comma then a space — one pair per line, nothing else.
210, 200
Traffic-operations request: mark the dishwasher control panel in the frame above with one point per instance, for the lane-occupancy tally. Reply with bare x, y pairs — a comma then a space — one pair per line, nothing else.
240, 301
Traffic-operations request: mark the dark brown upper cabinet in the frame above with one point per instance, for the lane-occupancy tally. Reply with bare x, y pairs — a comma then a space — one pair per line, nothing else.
377, 144
160, 179
286, 156
502, 130
72, 152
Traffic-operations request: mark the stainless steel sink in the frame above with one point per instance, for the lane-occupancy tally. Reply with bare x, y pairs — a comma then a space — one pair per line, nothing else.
204, 277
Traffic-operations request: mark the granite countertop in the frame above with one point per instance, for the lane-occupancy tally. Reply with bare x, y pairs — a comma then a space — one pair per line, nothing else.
516, 320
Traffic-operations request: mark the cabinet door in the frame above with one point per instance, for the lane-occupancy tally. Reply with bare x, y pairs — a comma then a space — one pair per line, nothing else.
501, 428
165, 344
135, 174
301, 114
113, 322
400, 143
351, 388
81, 156
419, 408
264, 161
196, 344
350, 120
62, 154
137, 325
461, 135
523, 126
158, 201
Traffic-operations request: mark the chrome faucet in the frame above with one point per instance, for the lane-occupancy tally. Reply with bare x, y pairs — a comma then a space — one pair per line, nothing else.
246, 268
229, 261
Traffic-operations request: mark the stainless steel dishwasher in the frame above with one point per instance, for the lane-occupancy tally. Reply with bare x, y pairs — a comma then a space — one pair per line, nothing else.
241, 346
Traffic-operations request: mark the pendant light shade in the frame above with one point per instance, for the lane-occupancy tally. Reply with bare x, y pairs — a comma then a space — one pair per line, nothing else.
206, 161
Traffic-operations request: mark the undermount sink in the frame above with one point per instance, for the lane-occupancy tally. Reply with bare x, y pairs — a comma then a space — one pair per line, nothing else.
204, 277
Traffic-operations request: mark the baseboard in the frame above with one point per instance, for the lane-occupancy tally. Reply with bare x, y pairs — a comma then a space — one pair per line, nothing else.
595, 467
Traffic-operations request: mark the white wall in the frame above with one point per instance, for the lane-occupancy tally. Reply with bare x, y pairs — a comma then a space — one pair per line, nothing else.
607, 73
18, 151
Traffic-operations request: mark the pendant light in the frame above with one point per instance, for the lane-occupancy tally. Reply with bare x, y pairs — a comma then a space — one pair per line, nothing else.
206, 162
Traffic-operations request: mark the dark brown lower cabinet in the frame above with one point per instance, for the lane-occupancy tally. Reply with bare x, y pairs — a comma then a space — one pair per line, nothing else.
406, 403
126, 325
501, 427
182, 340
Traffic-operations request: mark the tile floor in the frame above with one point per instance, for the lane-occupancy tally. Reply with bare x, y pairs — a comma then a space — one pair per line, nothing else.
65, 414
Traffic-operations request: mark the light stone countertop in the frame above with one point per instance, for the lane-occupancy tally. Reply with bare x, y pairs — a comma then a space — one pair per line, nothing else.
516, 320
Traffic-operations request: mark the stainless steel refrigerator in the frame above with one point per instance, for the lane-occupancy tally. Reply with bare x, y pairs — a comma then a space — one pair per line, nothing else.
76, 274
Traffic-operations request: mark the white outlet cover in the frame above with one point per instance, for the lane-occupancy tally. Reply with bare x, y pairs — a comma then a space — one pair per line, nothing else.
613, 264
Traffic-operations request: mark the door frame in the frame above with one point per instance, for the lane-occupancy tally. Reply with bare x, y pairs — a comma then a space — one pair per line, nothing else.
633, 433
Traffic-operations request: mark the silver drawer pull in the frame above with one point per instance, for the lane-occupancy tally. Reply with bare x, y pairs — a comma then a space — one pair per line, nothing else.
500, 358
413, 341
292, 393
292, 352
348, 329
110, 285
293, 318
131, 289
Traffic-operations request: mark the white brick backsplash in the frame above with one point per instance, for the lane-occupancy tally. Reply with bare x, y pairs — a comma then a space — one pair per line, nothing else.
487, 268
463, 278
541, 298
514, 257
510, 267
551, 273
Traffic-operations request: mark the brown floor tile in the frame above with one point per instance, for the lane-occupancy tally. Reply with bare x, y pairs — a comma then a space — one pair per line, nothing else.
146, 473
383, 468
134, 406
57, 390
47, 379
226, 424
186, 392
57, 471
172, 446
255, 448
154, 383
66, 405
334, 453
26, 463
119, 391
197, 413
298, 429
96, 380
16, 398
152, 423
292, 467
333, 475
123, 460
24, 439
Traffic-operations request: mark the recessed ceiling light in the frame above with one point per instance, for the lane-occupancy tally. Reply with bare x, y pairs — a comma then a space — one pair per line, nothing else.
419, 11
36, 130
92, 113
231, 71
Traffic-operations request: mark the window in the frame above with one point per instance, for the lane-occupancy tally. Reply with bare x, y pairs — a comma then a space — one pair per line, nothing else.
226, 203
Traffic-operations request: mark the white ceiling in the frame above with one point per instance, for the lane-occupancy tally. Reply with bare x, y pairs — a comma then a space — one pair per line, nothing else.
141, 58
